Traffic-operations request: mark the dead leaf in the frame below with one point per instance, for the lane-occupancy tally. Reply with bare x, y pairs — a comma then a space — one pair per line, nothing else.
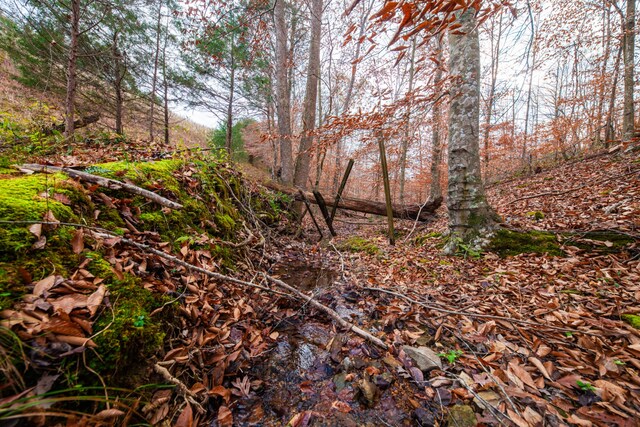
225, 418
77, 242
36, 230
95, 299
186, 417
45, 284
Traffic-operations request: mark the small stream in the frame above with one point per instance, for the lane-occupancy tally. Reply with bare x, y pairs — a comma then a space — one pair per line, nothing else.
331, 379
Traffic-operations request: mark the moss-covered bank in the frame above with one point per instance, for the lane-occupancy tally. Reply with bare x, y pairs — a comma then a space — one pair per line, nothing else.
135, 319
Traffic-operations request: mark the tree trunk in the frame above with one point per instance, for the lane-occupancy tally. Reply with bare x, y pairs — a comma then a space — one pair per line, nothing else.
310, 98
154, 81
229, 135
283, 107
117, 86
347, 102
495, 62
72, 59
628, 124
608, 133
165, 85
470, 216
436, 157
407, 118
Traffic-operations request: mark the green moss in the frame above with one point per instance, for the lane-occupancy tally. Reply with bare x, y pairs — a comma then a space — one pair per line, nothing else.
509, 243
614, 242
421, 240
537, 215
225, 223
359, 244
128, 335
631, 319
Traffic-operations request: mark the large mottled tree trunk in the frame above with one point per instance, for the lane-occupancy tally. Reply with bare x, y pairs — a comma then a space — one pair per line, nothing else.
629, 51
72, 60
470, 216
310, 98
283, 108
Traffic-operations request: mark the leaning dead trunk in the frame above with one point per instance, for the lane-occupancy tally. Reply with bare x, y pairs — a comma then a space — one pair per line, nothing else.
470, 215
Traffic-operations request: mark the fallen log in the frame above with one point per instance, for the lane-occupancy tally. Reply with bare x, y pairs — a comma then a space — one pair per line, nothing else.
419, 212
103, 182
77, 124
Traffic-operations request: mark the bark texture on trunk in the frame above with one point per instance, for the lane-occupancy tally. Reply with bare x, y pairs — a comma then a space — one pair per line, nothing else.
436, 154
310, 98
283, 108
470, 216
119, 71
629, 52
72, 60
154, 81
229, 135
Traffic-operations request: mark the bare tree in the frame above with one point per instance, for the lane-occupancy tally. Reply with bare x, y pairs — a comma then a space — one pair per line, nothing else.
72, 64
283, 107
310, 99
628, 126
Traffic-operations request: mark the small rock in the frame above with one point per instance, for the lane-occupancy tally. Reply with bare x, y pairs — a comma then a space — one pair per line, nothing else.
424, 358
340, 381
367, 392
424, 417
346, 365
392, 362
462, 416
384, 380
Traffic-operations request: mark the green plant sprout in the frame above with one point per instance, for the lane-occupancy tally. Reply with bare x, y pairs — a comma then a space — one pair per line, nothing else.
452, 356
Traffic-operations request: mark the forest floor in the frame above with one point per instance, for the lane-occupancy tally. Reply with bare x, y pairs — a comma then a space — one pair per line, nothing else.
540, 330
530, 339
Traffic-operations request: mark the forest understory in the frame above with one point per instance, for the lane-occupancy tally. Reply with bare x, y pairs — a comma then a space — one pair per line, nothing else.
116, 310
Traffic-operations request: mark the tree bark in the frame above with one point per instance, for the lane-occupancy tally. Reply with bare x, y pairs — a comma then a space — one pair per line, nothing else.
117, 85
154, 81
470, 216
72, 59
283, 107
628, 123
165, 84
407, 123
436, 156
310, 99
229, 134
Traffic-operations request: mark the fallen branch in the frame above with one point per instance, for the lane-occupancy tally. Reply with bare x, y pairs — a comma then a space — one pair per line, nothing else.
333, 314
571, 190
104, 182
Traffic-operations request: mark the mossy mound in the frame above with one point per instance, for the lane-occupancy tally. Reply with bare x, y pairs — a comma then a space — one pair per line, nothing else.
359, 244
131, 329
511, 243
631, 319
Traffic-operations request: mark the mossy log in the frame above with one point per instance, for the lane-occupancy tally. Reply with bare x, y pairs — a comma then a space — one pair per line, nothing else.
79, 123
104, 182
419, 212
